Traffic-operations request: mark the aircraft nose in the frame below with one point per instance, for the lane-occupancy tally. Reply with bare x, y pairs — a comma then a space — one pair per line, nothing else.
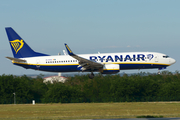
173, 61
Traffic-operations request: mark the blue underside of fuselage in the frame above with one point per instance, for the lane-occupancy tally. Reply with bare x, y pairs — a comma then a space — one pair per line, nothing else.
74, 68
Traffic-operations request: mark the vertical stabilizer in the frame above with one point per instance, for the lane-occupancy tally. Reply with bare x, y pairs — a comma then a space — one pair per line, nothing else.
19, 47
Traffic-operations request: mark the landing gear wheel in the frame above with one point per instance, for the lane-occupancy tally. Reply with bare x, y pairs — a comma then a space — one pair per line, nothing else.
91, 76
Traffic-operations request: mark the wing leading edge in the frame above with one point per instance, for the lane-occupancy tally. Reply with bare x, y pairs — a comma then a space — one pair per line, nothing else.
83, 62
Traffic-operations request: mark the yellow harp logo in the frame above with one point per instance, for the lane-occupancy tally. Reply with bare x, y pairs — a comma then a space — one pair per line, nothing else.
17, 45
69, 49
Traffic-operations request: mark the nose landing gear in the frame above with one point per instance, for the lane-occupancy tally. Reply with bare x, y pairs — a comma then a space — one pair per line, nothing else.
159, 71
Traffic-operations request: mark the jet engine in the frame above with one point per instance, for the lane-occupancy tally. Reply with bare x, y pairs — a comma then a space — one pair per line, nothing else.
110, 69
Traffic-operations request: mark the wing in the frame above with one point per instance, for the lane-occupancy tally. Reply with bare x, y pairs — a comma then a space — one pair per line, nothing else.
83, 62
16, 59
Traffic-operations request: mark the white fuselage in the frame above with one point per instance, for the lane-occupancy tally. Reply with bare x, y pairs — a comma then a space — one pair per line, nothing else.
127, 60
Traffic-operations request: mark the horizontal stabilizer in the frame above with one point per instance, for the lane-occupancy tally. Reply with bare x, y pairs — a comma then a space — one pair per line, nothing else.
16, 59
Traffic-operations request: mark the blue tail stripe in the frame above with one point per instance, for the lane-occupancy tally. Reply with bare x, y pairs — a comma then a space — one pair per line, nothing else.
19, 47
68, 49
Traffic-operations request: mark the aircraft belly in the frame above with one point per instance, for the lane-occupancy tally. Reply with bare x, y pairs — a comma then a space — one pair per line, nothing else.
22, 65
140, 66
69, 68
74, 68
58, 68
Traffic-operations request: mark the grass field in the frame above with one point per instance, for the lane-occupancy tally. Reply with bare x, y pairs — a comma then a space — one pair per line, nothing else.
89, 110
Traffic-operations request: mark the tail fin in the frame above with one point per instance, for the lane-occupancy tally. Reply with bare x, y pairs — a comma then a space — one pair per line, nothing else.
19, 47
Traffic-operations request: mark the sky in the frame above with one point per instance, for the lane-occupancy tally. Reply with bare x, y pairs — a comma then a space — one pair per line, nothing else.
91, 26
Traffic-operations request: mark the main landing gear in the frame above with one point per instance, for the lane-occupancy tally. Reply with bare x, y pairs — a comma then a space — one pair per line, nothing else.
91, 76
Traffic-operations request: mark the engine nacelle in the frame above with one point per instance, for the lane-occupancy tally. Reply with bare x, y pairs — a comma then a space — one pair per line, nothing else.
110, 69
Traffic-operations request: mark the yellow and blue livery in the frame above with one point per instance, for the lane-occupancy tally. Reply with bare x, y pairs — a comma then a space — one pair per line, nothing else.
105, 63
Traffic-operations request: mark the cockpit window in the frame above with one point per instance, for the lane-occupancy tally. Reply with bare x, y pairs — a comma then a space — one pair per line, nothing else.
165, 56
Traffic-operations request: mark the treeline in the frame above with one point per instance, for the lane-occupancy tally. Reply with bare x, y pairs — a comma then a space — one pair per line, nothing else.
109, 88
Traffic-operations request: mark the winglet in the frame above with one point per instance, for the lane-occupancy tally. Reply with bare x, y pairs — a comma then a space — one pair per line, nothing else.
68, 49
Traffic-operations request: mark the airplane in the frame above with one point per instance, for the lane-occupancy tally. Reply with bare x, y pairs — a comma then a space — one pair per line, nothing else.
105, 63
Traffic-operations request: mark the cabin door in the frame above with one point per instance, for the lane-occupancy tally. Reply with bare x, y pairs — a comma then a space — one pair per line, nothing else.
156, 59
38, 63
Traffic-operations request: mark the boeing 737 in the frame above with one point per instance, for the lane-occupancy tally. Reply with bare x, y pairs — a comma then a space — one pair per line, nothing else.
105, 63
